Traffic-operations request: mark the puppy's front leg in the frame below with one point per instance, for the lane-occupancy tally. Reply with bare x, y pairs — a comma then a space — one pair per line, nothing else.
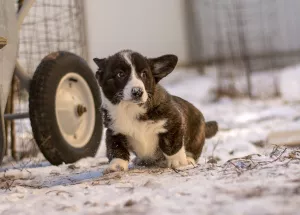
116, 152
173, 148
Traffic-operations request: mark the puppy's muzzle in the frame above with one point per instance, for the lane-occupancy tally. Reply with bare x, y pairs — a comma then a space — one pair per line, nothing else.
137, 93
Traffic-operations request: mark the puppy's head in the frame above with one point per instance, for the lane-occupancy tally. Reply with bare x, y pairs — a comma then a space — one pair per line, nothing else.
129, 76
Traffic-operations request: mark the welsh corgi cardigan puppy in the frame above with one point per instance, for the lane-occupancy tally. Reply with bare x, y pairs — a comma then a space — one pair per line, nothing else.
143, 118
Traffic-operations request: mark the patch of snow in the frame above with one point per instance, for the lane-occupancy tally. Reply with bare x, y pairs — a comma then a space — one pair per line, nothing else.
232, 188
272, 112
190, 85
289, 83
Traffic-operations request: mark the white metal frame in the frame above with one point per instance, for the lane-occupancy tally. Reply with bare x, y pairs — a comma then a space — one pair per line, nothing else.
19, 70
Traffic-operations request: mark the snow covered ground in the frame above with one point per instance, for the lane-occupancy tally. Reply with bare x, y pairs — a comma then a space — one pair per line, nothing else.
238, 173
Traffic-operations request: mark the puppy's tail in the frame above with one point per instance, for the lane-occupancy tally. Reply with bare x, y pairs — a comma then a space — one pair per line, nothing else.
211, 128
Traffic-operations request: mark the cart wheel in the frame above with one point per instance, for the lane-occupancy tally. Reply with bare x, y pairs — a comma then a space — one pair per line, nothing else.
64, 108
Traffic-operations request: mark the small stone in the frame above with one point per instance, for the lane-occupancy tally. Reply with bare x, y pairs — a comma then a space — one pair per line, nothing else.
129, 203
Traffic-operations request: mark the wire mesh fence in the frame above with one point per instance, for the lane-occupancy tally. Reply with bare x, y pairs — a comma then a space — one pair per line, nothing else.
52, 25
242, 37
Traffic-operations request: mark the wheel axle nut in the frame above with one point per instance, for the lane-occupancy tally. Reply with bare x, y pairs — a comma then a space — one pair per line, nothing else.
81, 110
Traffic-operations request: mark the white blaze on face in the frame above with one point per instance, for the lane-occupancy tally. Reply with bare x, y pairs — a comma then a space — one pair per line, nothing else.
133, 81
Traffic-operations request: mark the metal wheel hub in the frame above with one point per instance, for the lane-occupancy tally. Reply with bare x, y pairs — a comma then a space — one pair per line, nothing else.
75, 110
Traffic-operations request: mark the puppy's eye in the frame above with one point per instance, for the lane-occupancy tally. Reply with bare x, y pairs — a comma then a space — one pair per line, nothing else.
144, 73
120, 74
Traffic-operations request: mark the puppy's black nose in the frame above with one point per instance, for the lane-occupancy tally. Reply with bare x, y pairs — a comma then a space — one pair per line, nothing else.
136, 92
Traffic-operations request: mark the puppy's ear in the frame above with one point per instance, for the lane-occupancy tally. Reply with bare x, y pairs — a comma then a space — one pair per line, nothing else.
162, 66
100, 63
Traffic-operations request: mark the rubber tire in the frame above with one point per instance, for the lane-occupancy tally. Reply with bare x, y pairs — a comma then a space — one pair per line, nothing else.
42, 108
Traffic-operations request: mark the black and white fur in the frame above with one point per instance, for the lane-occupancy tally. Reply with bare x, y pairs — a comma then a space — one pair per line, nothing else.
142, 117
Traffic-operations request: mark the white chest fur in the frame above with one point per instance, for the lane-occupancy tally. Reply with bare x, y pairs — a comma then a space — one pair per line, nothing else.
142, 135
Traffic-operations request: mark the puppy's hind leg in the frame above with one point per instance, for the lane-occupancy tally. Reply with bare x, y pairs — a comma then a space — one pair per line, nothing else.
190, 159
195, 145
174, 152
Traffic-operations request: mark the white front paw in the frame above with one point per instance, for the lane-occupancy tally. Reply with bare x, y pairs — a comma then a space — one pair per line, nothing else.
191, 161
177, 160
173, 163
116, 165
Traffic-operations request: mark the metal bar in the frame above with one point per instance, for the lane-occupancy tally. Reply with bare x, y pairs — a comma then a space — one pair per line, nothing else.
2, 134
23, 12
22, 76
16, 116
82, 7
19, 71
